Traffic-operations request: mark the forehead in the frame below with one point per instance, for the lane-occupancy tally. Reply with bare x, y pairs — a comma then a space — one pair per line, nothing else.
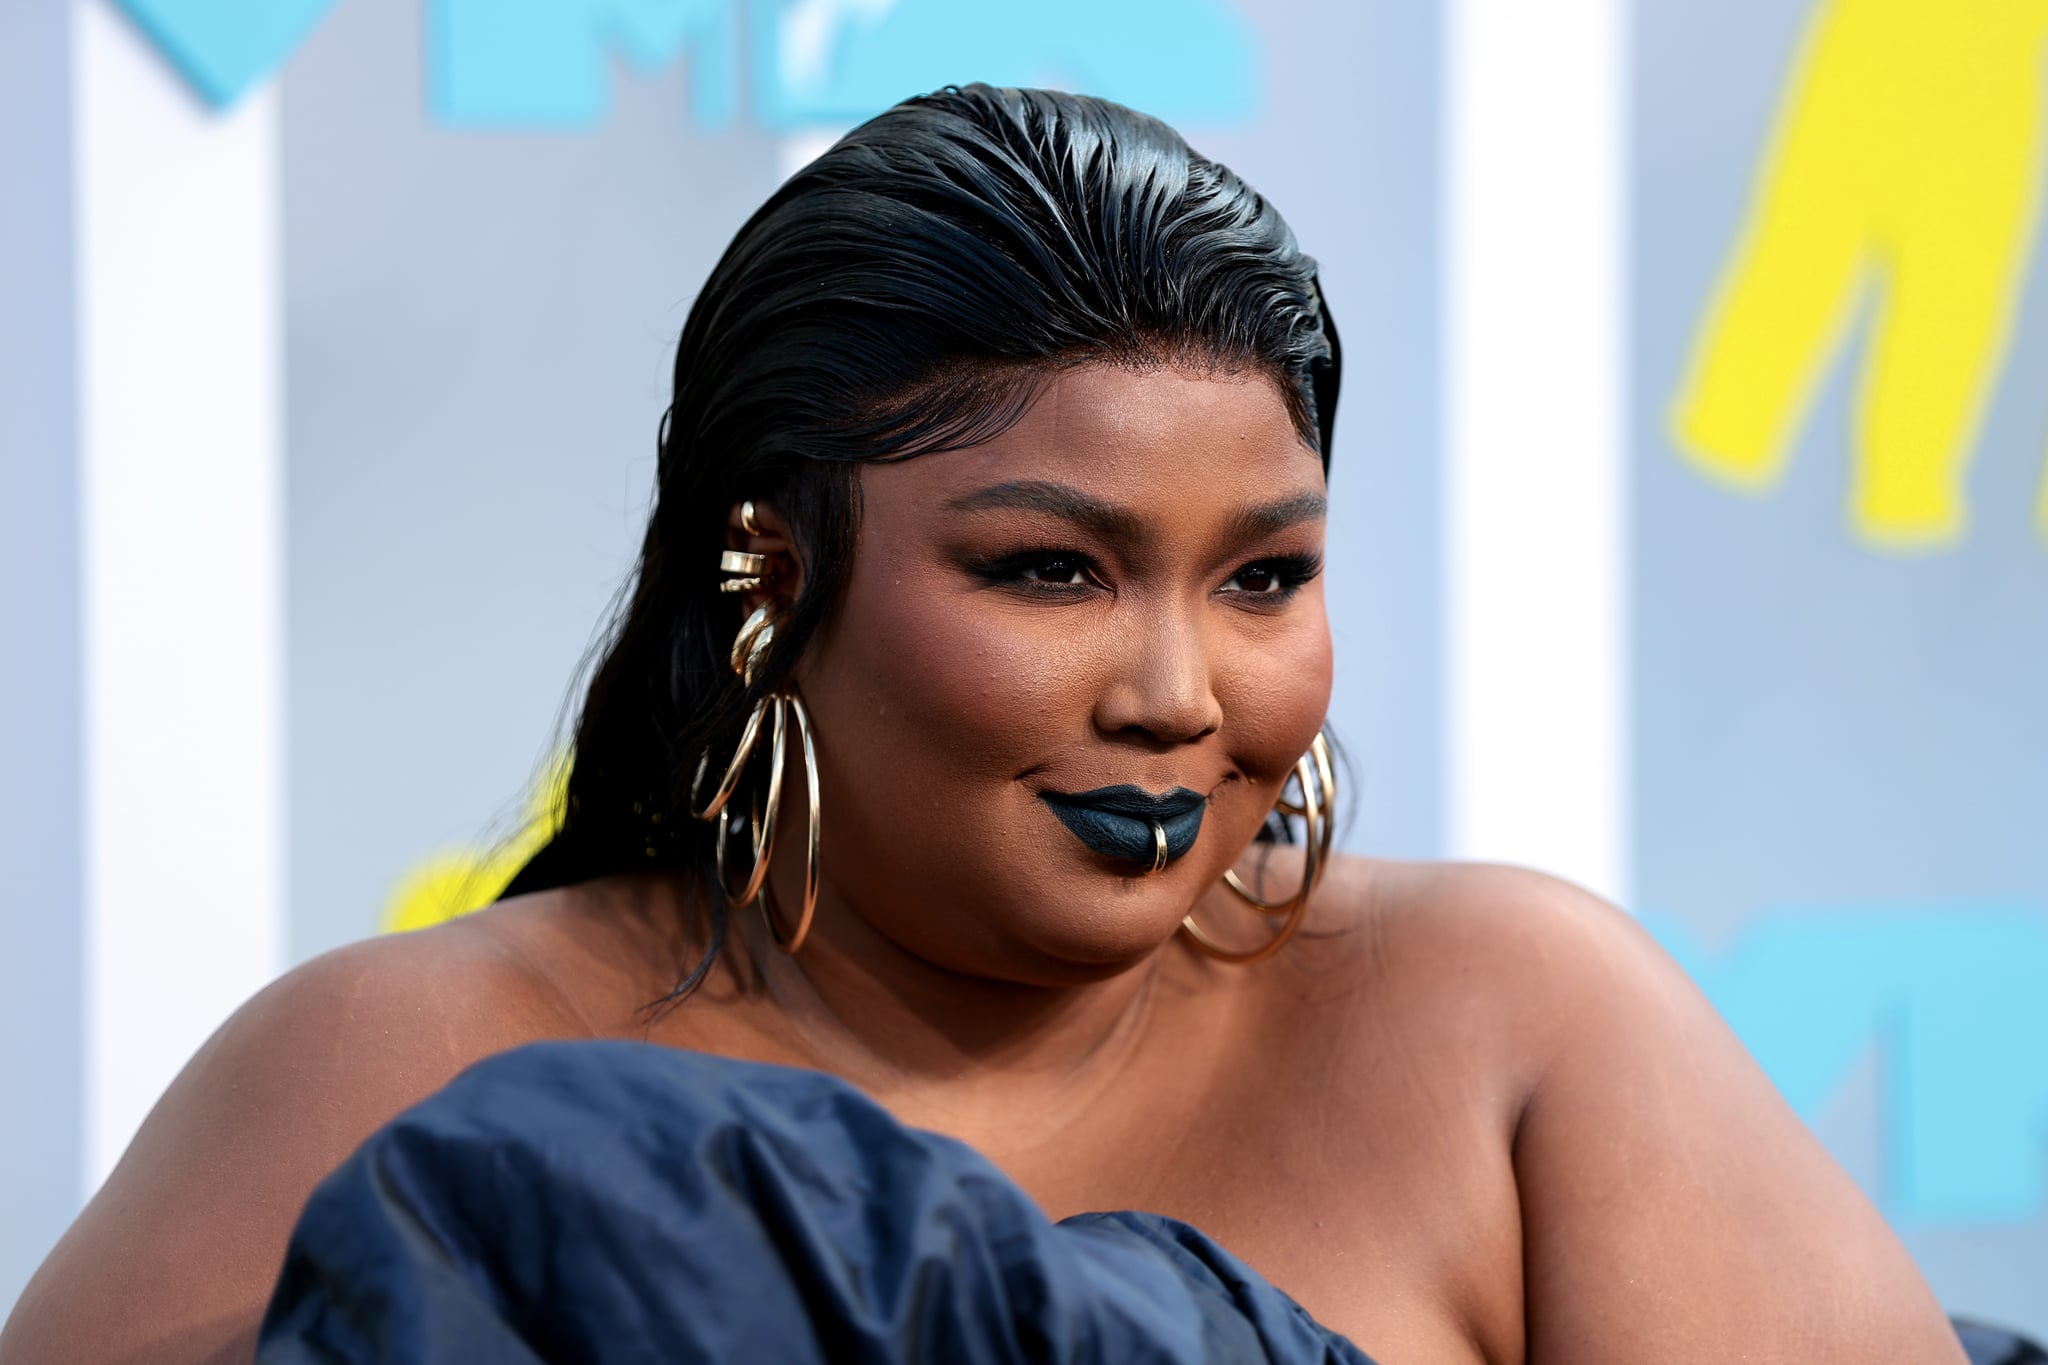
1156, 438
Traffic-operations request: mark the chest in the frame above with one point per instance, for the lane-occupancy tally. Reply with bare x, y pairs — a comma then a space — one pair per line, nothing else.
1396, 1223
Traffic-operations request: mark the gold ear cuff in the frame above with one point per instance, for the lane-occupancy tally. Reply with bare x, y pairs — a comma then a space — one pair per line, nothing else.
752, 570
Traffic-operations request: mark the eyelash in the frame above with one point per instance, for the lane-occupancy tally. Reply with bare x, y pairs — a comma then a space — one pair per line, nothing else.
1291, 571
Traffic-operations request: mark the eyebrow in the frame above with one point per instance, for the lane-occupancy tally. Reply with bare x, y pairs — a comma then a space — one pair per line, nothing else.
1113, 522
1271, 518
1105, 519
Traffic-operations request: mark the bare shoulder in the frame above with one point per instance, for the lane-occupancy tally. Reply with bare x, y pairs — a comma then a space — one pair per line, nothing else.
1479, 912
173, 1258
1671, 1205
382, 1018
1500, 961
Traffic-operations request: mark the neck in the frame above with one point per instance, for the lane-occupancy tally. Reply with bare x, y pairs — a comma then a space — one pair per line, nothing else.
942, 1047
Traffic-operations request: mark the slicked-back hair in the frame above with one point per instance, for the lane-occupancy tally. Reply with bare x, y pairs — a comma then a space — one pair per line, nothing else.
904, 294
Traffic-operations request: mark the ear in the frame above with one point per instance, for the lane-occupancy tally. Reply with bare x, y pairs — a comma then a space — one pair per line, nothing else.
759, 527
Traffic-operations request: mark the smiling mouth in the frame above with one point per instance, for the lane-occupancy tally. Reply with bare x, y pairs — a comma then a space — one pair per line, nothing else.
1117, 822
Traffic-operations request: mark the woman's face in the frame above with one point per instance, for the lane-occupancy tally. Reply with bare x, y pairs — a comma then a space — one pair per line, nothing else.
1121, 591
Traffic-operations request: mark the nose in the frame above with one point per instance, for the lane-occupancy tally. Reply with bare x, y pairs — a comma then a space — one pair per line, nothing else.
1160, 690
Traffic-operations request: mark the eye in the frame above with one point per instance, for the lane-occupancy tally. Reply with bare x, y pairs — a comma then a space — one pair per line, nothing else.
1055, 570
1258, 579
1274, 578
1063, 571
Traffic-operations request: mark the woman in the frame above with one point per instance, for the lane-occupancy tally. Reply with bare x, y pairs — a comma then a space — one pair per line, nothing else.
977, 635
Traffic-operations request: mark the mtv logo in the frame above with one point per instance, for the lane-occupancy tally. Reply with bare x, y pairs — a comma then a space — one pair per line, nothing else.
546, 63
1949, 997
813, 63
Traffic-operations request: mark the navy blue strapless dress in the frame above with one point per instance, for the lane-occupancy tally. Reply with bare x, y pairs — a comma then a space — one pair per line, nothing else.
621, 1202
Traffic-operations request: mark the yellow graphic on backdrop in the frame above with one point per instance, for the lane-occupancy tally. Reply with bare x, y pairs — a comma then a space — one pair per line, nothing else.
1907, 162
457, 881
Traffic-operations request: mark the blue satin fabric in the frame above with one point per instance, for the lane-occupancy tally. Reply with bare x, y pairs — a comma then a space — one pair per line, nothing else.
620, 1202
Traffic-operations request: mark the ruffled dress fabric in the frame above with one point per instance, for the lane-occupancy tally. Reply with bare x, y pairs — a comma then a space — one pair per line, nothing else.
619, 1202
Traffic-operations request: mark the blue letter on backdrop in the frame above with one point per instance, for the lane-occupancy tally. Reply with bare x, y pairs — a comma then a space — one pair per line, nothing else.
833, 62
225, 46
1952, 997
546, 63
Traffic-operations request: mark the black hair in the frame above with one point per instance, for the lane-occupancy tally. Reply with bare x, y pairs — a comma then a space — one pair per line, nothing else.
904, 294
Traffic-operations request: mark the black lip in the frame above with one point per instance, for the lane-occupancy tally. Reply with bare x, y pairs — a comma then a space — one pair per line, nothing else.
1135, 802
1124, 823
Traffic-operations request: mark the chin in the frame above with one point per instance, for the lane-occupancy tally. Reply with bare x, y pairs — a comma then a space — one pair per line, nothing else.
1107, 925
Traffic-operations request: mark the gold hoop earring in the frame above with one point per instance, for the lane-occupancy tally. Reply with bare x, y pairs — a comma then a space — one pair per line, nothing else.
769, 909
1317, 778
773, 711
762, 820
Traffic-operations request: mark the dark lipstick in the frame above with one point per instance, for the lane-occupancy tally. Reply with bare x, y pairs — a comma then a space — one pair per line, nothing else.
1117, 822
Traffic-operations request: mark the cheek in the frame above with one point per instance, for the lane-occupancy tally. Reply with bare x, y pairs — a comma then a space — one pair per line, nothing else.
1275, 694
919, 677
930, 703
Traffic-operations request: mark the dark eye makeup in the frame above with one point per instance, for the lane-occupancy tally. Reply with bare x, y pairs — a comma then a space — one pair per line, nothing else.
1065, 570
1277, 575
1068, 573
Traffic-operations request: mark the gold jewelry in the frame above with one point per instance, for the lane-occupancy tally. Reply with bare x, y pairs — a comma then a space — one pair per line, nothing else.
749, 647
756, 634
713, 809
769, 910
752, 571
747, 518
1316, 776
763, 822
1159, 854
740, 561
